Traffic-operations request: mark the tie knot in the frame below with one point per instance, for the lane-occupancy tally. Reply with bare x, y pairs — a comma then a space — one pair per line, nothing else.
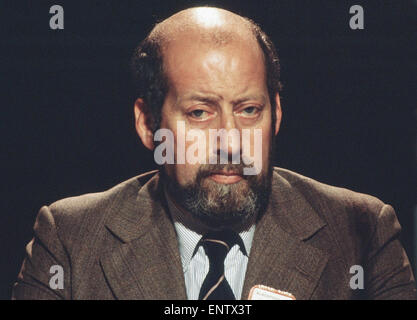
220, 241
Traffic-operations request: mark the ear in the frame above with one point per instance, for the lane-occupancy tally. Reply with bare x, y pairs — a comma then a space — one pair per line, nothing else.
142, 123
278, 113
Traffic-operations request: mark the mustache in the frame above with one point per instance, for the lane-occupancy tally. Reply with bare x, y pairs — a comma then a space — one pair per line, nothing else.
207, 170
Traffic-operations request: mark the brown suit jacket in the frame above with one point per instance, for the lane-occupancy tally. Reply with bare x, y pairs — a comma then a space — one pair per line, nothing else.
121, 244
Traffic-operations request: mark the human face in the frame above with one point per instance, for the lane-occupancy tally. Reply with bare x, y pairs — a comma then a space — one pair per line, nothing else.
218, 87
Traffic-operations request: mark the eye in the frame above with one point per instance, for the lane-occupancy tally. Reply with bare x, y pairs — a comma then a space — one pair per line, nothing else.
250, 111
199, 114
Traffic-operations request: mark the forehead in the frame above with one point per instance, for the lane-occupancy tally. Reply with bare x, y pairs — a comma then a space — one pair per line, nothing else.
192, 62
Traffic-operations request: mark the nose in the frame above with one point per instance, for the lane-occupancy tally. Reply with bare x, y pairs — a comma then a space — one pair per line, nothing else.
228, 146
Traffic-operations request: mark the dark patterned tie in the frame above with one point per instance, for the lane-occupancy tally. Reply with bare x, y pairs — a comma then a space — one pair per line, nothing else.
216, 245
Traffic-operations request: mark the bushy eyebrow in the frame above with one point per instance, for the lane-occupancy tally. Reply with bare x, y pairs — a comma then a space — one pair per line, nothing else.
260, 98
215, 99
208, 98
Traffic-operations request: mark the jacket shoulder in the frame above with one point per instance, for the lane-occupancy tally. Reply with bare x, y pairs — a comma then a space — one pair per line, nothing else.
90, 210
324, 196
88, 201
352, 217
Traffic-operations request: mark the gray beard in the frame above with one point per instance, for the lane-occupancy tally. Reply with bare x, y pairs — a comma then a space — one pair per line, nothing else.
220, 206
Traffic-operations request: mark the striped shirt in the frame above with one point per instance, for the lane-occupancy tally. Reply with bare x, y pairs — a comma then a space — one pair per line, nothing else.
196, 267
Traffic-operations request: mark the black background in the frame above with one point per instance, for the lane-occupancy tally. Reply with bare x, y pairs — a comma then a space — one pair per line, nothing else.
349, 101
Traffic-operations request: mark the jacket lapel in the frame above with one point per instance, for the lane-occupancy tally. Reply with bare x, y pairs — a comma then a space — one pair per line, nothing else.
145, 263
280, 257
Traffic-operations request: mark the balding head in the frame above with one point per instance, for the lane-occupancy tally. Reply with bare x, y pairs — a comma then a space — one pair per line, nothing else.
201, 25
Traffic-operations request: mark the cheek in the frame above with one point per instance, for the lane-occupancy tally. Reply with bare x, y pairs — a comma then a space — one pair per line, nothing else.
266, 139
184, 172
266, 143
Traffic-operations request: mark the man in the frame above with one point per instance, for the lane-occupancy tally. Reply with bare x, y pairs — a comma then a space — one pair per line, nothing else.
214, 229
